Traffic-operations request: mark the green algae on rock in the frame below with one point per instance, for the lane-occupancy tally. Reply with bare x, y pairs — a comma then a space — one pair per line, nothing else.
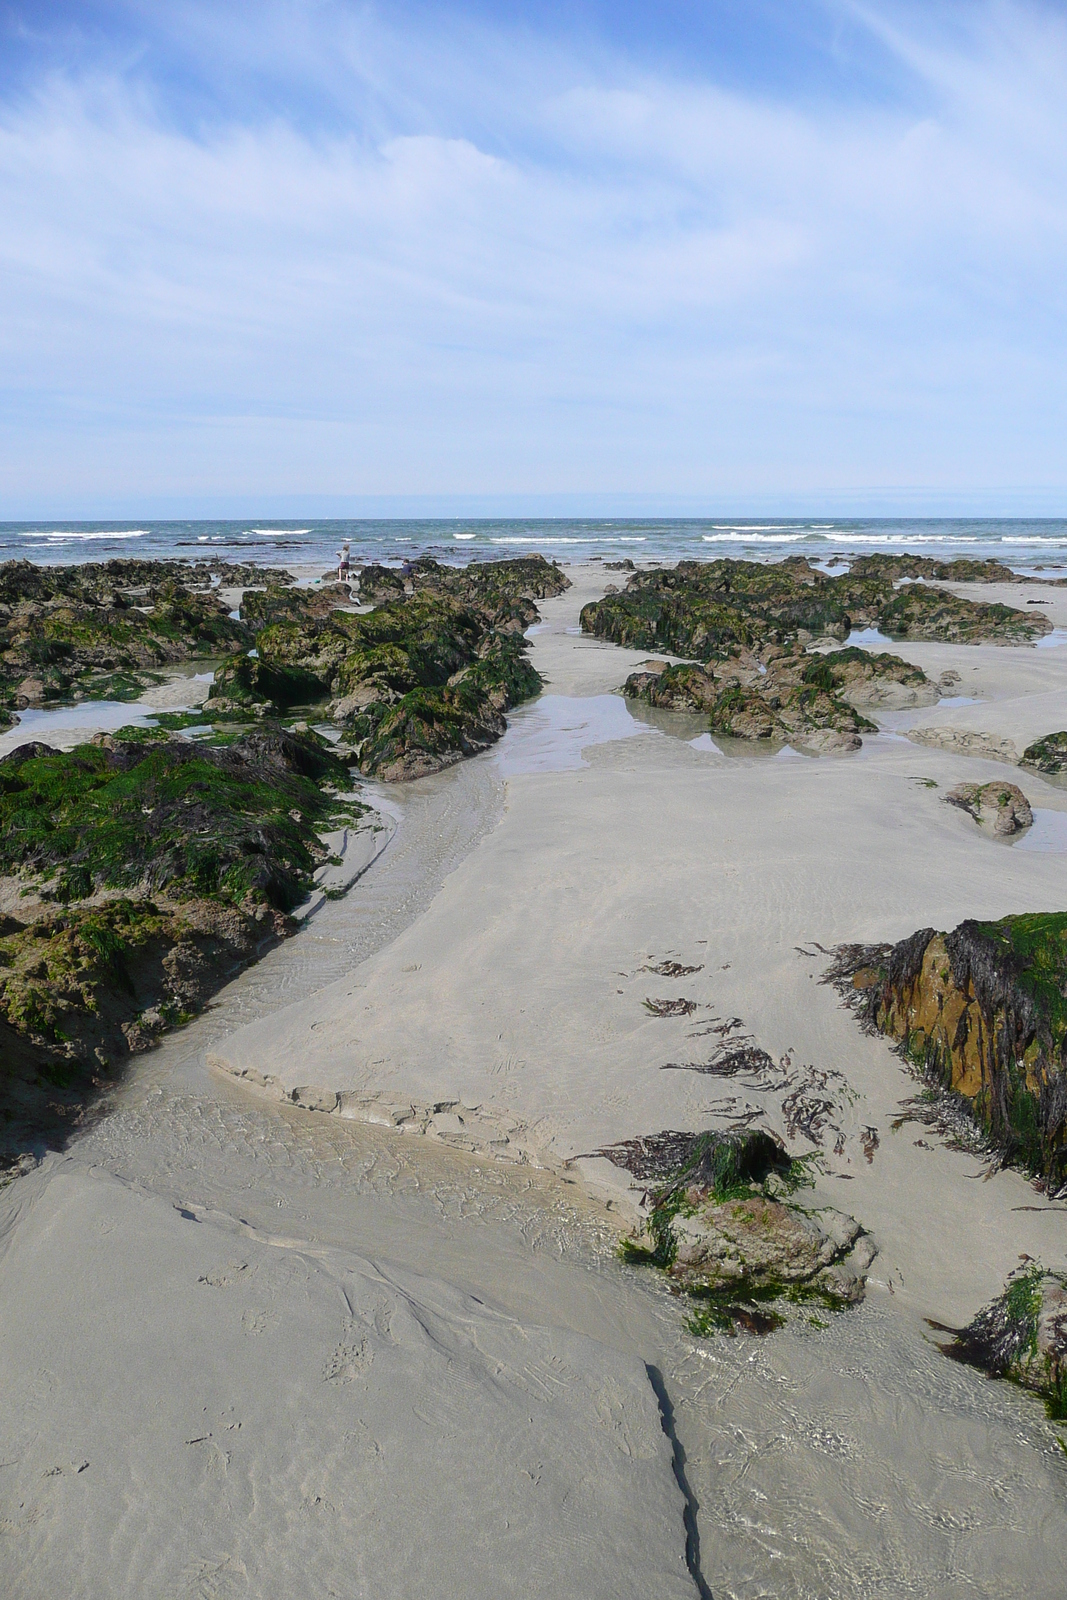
237, 822
419, 682
1022, 1336
788, 695
725, 1229
981, 1011
712, 610
149, 870
1000, 806
1046, 755
89, 633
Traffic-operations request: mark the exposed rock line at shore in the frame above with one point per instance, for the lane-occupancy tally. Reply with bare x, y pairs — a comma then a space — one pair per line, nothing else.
712, 610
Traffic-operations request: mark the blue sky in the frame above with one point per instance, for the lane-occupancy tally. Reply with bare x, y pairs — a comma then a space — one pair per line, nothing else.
604, 257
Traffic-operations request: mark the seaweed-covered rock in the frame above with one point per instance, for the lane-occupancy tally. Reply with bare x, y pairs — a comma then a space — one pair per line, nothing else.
722, 1227
1048, 754
238, 821
427, 729
153, 869
277, 603
1000, 806
789, 697
716, 609
422, 681
866, 679
964, 569
61, 637
244, 680
687, 687
981, 1011
1022, 1335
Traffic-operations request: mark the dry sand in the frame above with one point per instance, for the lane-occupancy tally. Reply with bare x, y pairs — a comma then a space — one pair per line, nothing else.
303, 1354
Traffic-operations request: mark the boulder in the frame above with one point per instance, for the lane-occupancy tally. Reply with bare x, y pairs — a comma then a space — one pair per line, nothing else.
1048, 754
1000, 806
1022, 1335
966, 742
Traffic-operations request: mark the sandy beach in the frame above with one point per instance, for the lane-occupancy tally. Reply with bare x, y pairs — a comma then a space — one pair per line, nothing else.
328, 1303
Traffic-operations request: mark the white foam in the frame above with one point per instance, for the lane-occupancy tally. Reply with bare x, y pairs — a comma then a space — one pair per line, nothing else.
58, 535
466, 536
522, 538
752, 538
278, 533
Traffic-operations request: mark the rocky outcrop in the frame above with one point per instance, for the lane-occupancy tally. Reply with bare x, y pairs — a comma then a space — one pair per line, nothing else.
1048, 754
966, 742
1002, 807
981, 1012
152, 869
419, 682
715, 609
79, 633
788, 695
725, 1230
1022, 1336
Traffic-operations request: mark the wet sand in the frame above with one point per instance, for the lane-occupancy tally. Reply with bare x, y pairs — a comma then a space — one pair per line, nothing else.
304, 1353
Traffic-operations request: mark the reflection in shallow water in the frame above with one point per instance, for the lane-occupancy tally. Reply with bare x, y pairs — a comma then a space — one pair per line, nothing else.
550, 735
1048, 832
71, 723
868, 638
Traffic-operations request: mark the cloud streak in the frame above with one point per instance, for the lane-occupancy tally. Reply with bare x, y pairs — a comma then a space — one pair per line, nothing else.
465, 259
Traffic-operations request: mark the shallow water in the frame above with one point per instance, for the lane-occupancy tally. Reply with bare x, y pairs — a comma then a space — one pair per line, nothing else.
550, 734
1048, 832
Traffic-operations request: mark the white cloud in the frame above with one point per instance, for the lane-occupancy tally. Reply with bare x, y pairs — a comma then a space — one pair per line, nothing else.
539, 271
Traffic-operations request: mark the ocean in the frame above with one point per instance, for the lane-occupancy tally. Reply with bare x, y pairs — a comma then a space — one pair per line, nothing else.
1028, 545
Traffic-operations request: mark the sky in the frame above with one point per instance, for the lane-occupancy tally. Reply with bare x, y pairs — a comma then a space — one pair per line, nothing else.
323, 257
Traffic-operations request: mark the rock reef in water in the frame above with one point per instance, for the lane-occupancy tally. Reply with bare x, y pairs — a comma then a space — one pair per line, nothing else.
715, 609
1022, 1336
106, 629
1000, 806
143, 872
982, 1013
417, 683
724, 1228
811, 700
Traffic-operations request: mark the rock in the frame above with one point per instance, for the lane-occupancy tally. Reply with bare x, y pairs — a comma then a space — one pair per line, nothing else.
980, 1012
8, 719
1048, 754
30, 692
724, 1231
1000, 806
1022, 1335
712, 609
762, 1243
830, 741
966, 742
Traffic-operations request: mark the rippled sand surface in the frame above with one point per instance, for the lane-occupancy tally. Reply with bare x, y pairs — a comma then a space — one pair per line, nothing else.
250, 1350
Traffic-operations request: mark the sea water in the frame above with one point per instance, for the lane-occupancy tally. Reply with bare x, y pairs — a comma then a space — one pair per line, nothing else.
1025, 544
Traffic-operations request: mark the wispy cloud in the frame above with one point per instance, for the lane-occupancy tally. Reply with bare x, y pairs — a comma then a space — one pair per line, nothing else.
457, 257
